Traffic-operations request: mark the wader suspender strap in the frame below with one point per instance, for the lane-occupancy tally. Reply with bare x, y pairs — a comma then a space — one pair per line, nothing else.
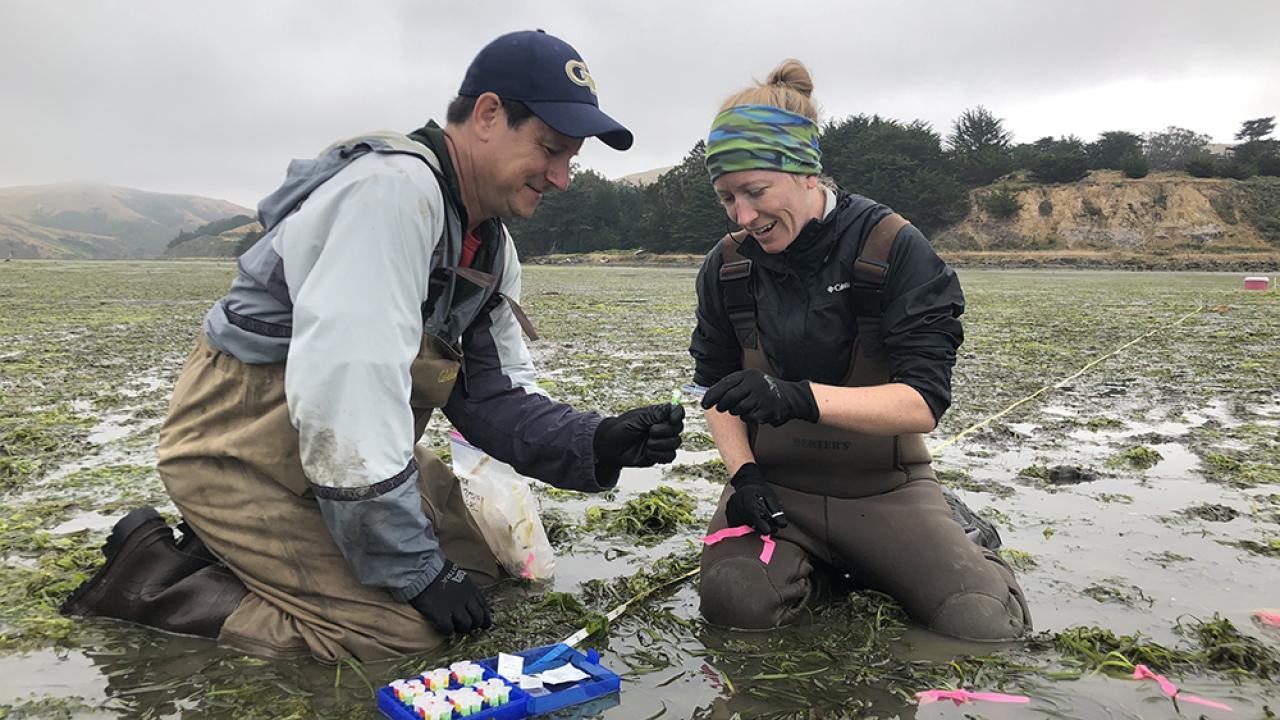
484, 279
735, 289
870, 270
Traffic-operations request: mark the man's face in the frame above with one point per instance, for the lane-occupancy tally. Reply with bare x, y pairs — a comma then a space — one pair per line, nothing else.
525, 162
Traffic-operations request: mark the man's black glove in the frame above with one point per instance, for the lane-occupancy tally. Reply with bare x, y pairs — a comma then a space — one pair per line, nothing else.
753, 502
759, 398
640, 437
452, 603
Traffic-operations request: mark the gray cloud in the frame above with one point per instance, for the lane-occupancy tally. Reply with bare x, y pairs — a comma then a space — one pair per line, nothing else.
213, 99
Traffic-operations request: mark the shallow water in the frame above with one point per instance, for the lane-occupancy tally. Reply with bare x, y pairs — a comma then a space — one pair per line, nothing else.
1116, 551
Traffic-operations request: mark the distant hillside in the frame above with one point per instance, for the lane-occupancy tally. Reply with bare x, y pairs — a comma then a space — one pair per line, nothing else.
1162, 213
94, 220
217, 240
647, 177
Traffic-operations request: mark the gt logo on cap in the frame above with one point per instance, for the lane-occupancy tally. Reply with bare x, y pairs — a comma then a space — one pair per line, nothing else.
579, 75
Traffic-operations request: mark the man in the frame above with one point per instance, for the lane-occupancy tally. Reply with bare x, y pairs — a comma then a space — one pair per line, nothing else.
385, 286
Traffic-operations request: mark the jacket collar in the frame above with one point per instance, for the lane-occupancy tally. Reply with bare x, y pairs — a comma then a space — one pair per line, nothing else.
813, 247
432, 135
489, 231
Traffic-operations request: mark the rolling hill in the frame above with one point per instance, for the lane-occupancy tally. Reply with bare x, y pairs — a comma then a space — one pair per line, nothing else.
98, 221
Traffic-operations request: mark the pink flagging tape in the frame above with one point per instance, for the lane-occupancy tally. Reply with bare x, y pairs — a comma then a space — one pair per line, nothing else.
1268, 617
766, 554
1142, 672
528, 567
1201, 701
962, 696
725, 534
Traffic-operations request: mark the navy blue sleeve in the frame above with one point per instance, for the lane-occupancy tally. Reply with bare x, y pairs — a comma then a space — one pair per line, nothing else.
921, 325
498, 410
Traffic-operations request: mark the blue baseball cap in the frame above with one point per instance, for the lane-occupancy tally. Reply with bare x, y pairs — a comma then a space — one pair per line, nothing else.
547, 74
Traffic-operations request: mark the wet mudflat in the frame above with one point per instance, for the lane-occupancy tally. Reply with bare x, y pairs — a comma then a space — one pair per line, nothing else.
1140, 502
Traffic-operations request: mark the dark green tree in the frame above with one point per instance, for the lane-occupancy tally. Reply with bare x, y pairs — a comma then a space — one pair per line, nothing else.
899, 164
1256, 144
1002, 202
1059, 161
979, 146
1201, 166
1112, 148
248, 241
1135, 165
586, 217
1173, 148
1257, 129
215, 227
1234, 168
681, 212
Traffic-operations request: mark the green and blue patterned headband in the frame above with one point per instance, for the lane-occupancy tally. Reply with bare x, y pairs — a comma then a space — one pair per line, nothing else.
762, 137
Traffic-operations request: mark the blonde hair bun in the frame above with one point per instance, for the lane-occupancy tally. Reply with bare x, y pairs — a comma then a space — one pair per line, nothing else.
793, 74
789, 87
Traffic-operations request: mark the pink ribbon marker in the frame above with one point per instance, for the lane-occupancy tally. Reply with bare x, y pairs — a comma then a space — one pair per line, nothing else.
1142, 672
1267, 617
959, 697
766, 554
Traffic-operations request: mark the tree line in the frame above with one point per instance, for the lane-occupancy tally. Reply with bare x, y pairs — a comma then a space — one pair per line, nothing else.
907, 165
216, 227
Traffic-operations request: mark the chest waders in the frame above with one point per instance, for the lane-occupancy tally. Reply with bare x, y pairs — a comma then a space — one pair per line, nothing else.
229, 458
864, 505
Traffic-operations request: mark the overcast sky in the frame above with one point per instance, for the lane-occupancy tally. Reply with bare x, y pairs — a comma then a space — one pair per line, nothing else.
214, 98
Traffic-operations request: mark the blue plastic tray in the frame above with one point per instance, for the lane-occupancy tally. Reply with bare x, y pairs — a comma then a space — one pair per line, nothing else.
526, 703
514, 709
601, 683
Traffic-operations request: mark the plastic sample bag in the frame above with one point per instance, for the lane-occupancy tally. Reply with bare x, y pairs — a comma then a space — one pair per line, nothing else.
505, 509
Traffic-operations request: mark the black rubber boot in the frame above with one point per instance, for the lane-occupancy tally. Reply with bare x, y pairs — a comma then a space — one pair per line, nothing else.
980, 530
148, 580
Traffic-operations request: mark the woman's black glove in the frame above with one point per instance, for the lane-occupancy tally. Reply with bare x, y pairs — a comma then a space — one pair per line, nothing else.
759, 398
753, 502
452, 603
639, 438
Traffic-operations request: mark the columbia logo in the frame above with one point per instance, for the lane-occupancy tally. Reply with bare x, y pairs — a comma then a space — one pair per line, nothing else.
837, 287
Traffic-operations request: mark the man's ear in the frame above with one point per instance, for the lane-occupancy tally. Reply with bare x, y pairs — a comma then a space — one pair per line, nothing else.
487, 116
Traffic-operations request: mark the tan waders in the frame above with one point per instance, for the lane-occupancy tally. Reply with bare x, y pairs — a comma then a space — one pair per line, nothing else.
229, 459
869, 506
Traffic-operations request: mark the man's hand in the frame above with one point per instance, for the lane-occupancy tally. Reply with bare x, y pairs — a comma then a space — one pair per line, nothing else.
753, 502
452, 603
759, 398
639, 438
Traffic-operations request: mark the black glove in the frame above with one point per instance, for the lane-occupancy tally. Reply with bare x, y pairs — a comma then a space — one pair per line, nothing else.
452, 603
759, 398
639, 438
753, 502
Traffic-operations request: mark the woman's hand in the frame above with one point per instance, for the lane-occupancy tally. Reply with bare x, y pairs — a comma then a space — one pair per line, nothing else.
759, 398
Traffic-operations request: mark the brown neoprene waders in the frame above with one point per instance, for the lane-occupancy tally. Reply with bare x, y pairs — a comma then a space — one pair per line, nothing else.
229, 457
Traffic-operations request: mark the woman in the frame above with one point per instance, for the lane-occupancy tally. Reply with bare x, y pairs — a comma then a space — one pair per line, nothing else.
827, 330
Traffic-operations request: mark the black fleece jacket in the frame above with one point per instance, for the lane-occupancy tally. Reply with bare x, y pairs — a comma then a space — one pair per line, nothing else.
804, 306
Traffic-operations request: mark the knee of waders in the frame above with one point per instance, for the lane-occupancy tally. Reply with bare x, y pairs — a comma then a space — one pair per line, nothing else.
978, 616
736, 593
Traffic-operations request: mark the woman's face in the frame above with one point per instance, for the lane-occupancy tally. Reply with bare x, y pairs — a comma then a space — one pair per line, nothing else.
771, 205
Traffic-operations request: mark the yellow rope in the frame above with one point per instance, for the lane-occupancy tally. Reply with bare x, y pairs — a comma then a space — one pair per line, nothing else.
1060, 383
